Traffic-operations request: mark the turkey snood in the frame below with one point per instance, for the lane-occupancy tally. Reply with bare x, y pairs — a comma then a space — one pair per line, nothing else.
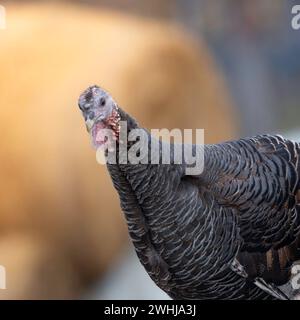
231, 232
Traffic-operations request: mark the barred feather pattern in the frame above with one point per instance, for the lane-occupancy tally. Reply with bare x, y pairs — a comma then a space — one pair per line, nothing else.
188, 230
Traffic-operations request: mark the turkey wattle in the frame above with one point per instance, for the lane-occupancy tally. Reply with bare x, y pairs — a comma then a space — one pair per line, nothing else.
231, 232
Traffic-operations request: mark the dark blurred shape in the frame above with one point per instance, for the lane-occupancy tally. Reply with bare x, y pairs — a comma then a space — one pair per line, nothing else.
258, 49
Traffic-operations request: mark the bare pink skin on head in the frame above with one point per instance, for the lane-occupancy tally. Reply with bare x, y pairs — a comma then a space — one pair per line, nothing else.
100, 112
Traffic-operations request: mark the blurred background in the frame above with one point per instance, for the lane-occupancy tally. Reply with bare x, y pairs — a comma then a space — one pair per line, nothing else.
230, 67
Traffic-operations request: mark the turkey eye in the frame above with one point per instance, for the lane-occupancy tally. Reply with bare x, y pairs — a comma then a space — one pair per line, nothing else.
102, 102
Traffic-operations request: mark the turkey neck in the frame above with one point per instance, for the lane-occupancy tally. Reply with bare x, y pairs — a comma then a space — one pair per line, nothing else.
150, 191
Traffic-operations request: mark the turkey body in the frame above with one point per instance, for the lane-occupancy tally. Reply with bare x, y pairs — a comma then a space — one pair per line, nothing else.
232, 232
189, 232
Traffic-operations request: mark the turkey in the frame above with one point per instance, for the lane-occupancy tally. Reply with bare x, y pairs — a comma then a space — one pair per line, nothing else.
230, 232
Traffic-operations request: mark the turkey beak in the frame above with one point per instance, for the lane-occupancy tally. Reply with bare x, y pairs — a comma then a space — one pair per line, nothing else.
90, 123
